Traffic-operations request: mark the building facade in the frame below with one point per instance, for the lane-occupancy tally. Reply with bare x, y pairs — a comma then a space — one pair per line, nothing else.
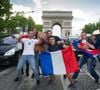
61, 18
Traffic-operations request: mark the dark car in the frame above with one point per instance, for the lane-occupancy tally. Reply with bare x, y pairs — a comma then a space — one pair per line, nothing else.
9, 54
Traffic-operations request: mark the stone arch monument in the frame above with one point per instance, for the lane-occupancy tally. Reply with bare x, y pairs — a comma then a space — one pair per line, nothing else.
61, 18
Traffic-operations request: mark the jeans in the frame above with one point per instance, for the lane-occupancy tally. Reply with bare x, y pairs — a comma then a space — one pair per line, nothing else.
90, 66
31, 60
37, 60
27, 69
98, 57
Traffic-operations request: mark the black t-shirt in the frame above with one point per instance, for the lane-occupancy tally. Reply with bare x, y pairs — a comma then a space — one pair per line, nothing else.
97, 43
56, 47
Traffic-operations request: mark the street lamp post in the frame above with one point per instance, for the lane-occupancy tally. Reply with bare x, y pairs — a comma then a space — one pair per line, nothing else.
22, 12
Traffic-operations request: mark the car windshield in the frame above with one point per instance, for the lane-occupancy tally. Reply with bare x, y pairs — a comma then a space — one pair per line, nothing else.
9, 40
6, 44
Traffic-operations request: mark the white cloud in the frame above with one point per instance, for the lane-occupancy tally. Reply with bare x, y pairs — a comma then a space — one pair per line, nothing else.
77, 13
38, 11
36, 15
38, 4
80, 19
44, 3
20, 8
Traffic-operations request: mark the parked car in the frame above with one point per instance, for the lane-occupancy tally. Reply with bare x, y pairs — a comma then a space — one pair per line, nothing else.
9, 54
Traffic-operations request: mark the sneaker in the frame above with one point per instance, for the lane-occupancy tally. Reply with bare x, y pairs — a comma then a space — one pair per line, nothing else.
50, 82
32, 76
38, 82
64, 76
17, 79
97, 81
27, 74
71, 85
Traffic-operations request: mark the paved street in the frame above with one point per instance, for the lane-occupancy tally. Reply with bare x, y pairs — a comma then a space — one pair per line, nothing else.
84, 82
7, 83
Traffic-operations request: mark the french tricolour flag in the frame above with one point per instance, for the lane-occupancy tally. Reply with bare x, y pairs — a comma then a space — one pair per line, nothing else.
87, 52
91, 53
59, 62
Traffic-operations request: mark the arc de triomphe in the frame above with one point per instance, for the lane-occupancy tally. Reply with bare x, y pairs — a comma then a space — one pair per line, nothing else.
61, 18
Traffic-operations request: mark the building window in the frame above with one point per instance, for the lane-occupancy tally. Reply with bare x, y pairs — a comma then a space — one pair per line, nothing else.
46, 23
67, 23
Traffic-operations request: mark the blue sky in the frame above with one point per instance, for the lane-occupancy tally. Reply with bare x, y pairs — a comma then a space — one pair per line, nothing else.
84, 11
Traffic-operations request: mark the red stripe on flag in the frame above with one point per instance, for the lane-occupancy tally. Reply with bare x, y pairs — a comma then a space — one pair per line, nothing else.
70, 61
94, 52
24, 36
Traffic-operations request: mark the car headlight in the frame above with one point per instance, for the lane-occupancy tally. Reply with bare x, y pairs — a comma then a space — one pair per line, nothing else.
10, 52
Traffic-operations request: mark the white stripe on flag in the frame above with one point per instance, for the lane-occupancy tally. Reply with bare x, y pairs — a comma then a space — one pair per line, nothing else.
58, 63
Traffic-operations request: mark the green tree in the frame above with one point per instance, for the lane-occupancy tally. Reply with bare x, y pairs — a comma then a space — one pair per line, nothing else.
89, 28
15, 22
5, 7
5, 13
2, 24
31, 23
98, 25
39, 27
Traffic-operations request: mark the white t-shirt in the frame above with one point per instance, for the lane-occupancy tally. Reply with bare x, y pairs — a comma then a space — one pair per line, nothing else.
29, 46
84, 41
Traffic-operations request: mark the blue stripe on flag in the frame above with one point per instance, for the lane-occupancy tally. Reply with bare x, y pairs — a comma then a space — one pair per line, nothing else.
46, 63
87, 53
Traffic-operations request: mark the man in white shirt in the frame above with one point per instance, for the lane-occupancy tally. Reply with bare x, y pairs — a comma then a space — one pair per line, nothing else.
28, 56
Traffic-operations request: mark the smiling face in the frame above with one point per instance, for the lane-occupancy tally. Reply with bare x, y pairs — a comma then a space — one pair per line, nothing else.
51, 41
83, 35
30, 34
34, 31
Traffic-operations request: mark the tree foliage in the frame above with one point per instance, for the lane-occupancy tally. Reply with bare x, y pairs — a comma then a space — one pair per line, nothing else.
31, 23
15, 22
89, 28
5, 7
12, 24
22, 22
39, 27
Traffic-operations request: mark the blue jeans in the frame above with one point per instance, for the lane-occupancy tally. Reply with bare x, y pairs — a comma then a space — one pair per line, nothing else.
98, 57
31, 60
90, 66
37, 60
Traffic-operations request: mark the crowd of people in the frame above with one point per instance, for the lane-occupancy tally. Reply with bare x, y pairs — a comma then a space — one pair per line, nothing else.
35, 42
